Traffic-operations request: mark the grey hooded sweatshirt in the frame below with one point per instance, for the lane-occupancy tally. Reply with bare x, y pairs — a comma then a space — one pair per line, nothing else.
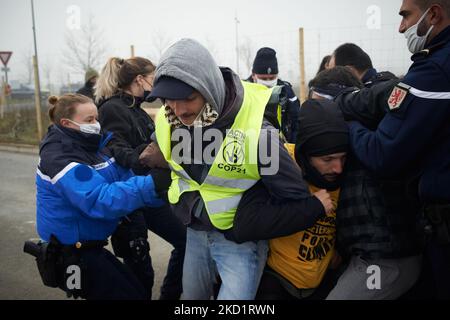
188, 61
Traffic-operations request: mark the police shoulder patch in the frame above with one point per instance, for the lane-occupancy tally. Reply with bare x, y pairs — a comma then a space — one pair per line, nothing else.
397, 96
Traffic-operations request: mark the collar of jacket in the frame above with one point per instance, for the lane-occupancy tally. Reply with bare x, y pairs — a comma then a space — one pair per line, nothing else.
369, 75
437, 43
130, 100
127, 99
88, 142
443, 36
234, 96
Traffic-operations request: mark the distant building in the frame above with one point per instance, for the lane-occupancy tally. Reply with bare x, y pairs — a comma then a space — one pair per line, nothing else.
72, 88
20, 91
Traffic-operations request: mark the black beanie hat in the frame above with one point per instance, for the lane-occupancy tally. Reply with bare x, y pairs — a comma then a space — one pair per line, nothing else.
326, 144
322, 129
265, 62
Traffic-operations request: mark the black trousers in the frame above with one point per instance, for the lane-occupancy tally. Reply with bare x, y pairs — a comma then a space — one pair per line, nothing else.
270, 287
434, 280
439, 257
166, 225
107, 278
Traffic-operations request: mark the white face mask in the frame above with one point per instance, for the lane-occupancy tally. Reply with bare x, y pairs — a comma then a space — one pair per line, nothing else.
90, 128
417, 43
267, 83
198, 120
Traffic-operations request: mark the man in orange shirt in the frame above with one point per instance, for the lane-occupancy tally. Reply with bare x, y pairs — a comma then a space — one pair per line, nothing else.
303, 242
298, 263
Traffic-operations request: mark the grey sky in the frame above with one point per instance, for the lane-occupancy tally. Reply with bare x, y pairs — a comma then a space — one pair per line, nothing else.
327, 24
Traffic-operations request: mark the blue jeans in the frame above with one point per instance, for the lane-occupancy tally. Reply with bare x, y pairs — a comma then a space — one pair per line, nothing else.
209, 254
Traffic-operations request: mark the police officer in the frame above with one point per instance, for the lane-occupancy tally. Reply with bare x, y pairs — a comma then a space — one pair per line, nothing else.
81, 195
265, 72
413, 138
122, 86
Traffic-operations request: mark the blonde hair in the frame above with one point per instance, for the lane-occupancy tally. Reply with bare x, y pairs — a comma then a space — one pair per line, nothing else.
64, 107
118, 74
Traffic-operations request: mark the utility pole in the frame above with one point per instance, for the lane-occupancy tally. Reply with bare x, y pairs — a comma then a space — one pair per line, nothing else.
302, 65
132, 51
237, 42
4, 57
37, 98
2, 98
69, 83
37, 84
318, 51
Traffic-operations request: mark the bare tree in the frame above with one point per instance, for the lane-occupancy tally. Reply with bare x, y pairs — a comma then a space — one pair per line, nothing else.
212, 48
27, 61
86, 47
159, 41
247, 54
62, 74
47, 70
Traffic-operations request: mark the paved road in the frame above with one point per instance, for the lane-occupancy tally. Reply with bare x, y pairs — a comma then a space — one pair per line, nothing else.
19, 278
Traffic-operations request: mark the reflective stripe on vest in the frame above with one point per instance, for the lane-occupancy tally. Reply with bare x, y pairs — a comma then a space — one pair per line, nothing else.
223, 205
222, 189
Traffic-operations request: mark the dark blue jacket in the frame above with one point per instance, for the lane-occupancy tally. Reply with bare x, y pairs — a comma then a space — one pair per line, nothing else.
290, 110
413, 139
81, 191
372, 77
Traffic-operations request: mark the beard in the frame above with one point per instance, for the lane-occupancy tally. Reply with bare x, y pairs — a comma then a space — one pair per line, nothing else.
330, 177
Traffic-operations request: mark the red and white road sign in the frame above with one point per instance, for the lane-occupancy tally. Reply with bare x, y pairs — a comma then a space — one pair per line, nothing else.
4, 57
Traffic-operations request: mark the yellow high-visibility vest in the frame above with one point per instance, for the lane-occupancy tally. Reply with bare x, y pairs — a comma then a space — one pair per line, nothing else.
235, 168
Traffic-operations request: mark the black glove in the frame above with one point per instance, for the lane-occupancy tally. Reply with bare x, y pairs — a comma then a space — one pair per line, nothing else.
130, 228
161, 178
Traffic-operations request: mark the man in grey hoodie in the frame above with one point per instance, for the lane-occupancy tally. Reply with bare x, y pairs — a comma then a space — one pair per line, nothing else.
202, 101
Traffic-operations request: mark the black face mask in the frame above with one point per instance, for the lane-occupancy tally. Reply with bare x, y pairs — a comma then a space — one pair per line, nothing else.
147, 93
313, 176
147, 96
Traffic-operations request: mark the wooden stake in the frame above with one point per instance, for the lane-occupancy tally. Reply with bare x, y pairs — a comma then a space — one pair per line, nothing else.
37, 100
303, 91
